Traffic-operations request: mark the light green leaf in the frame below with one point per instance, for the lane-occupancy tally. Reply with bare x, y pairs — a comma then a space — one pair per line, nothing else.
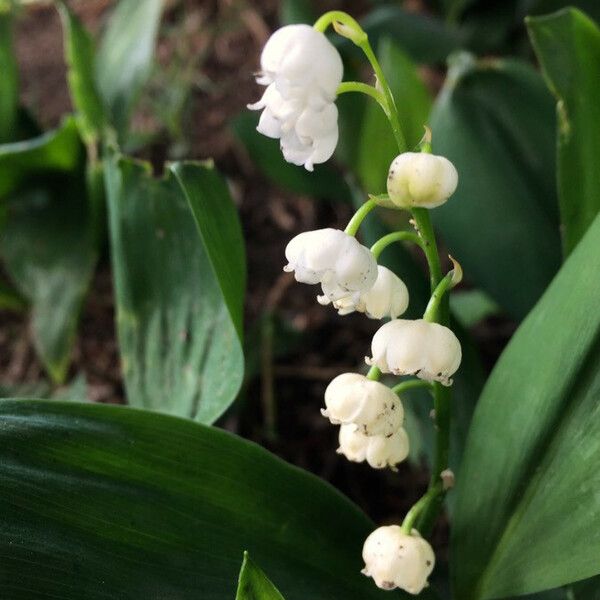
49, 239
528, 515
80, 59
472, 306
567, 45
253, 584
543, 7
105, 502
324, 182
126, 55
377, 144
177, 256
9, 81
495, 121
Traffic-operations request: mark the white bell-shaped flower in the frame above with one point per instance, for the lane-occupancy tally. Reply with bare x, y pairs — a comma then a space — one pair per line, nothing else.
428, 350
379, 451
395, 559
333, 258
387, 298
421, 179
302, 71
370, 405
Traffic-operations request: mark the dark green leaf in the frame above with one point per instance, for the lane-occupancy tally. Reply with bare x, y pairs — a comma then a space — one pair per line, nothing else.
567, 45
80, 59
253, 584
49, 239
528, 515
543, 7
296, 11
425, 39
105, 502
9, 81
495, 121
377, 146
179, 281
57, 150
324, 182
126, 55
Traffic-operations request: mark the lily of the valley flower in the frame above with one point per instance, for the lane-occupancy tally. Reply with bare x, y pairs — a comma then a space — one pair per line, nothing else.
351, 398
428, 350
380, 451
302, 71
387, 298
334, 259
395, 559
419, 179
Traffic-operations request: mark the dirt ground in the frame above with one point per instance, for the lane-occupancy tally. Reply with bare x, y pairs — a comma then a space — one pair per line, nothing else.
214, 47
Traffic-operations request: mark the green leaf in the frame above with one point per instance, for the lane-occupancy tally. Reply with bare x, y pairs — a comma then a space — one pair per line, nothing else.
528, 515
104, 502
9, 81
253, 584
49, 242
220, 231
567, 45
296, 11
543, 7
377, 144
57, 150
495, 121
472, 306
425, 39
126, 55
177, 256
80, 59
324, 182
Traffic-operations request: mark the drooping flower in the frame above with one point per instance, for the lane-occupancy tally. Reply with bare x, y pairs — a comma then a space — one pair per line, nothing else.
351, 398
387, 298
428, 350
419, 179
302, 71
380, 451
395, 559
334, 259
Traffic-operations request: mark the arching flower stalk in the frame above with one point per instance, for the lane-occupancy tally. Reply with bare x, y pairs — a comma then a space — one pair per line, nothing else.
303, 74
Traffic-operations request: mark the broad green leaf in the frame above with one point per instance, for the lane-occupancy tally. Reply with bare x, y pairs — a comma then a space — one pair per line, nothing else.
49, 241
126, 55
544, 7
57, 150
296, 11
472, 306
253, 584
177, 255
102, 502
9, 81
377, 146
495, 121
220, 231
528, 515
425, 39
324, 182
80, 59
567, 45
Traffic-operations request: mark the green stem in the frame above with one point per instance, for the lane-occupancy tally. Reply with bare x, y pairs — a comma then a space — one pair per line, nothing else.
374, 373
364, 88
359, 216
397, 236
425, 230
419, 507
411, 384
433, 307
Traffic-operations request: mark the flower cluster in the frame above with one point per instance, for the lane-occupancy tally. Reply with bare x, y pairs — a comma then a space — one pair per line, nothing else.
302, 72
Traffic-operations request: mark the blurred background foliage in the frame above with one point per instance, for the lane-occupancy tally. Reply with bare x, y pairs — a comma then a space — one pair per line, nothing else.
89, 238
